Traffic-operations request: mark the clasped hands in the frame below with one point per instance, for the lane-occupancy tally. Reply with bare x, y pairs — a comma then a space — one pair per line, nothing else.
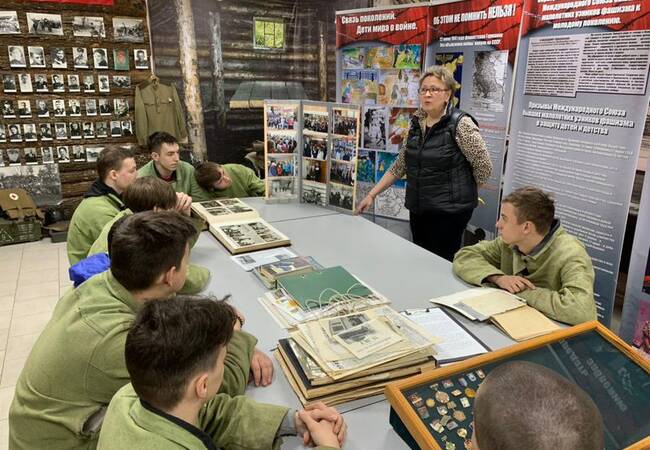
319, 424
511, 283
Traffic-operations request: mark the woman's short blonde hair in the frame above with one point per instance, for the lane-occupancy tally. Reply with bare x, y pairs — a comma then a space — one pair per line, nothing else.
441, 73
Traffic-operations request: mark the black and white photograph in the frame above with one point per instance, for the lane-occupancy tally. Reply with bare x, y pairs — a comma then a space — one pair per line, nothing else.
29, 132
58, 84
84, 26
8, 110
24, 108
63, 153
75, 130
92, 153
316, 121
105, 108
9, 22
42, 108
374, 128
101, 129
88, 130
36, 56
74, 106
58, 58
140, 58
41, 182
127, 29
13, 156
25, 82
121, 81
15, 135
17, 56
58, 107
48, 155
127, 130
40, 82
8, 83
116, 128
61, 130
91, 107
314, 147
103, 83
2, 157
282, 187
488, 80
48, 24
78, 153
73, 83
121, 107
89, 83
45, 131
31, 156
100, 58
3, 134
80, 57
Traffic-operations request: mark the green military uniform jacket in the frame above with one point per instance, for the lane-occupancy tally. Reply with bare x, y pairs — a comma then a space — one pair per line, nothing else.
228, 422
77, 365
197, 276
244, 184
158, 108
559, 267
87, 222
184, 178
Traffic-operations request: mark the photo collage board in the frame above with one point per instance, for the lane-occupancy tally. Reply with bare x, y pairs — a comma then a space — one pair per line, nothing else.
384, 79
67, 81
311, 151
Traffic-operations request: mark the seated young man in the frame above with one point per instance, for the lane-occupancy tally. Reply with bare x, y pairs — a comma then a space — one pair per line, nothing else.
116, 170
228, 181
534, 258
521, 405
153, 194
176, 370
77, 364
166, 164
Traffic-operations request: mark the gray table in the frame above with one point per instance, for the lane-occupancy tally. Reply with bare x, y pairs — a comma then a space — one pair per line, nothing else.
402, 271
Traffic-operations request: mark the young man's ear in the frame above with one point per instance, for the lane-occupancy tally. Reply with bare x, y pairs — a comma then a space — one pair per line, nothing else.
155, 156
168, 277
201, 386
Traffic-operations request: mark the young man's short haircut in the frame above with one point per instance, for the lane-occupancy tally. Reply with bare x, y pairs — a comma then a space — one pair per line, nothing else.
145, 245
533, 205
173, 340
207, 173
148, 192
521, 405
111, 158
157, 139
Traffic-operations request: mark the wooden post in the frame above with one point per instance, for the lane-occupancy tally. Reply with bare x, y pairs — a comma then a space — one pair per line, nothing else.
322, 61
218, 99
192, 86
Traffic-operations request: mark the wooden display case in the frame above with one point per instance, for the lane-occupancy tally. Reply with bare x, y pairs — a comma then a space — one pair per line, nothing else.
605, 367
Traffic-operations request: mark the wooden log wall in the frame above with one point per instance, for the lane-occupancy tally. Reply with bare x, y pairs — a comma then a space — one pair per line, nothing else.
76, 177
241, 62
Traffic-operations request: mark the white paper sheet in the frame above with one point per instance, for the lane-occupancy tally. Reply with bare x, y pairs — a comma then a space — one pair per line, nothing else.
249, 261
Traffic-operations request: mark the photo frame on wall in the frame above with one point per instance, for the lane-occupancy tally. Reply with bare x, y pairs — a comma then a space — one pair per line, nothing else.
9, 22
16, 55
47, 24
140, 58
120, 59
85, 26
128, 29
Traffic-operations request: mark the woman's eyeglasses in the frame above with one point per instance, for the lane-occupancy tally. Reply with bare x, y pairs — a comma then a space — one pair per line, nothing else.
432, 91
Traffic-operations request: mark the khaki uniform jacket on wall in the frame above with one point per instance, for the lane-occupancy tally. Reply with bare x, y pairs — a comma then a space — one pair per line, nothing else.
560, 269
244, 184
158, 108
88, 221
77, 365
197, 276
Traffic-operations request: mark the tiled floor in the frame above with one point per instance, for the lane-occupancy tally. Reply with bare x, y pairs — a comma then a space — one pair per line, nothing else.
32, 278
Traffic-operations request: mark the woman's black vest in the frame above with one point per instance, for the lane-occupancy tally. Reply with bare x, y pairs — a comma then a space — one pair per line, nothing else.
439, 177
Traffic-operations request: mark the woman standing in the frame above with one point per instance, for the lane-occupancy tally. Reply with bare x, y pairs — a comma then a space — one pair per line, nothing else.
445, 160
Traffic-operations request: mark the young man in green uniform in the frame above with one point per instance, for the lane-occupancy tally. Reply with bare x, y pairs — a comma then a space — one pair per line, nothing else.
153, 194
172, 400
534, 258
116, 170
522, 405
166, 164
228, 181
77, 364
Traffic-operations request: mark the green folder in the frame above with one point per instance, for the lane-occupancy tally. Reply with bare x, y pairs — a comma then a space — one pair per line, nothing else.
315, 289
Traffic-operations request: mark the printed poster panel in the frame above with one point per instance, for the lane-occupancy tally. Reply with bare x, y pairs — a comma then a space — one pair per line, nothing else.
581, 98
477, 41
